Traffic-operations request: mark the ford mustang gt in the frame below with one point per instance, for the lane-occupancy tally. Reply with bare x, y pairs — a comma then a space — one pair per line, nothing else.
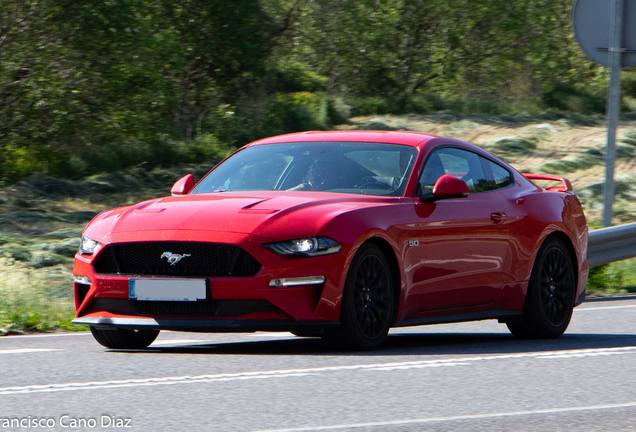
339, 235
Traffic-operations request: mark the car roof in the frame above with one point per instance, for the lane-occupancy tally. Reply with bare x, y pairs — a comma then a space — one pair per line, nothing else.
390, 137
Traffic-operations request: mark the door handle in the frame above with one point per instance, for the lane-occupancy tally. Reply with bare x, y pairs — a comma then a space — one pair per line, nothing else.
498, 217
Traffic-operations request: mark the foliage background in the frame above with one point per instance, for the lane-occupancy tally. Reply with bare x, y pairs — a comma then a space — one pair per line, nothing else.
99, 85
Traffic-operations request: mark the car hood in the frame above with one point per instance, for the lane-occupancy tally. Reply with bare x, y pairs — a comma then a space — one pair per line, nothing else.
272, 215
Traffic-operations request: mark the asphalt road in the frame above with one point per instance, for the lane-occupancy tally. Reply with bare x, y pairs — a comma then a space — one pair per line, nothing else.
472, 376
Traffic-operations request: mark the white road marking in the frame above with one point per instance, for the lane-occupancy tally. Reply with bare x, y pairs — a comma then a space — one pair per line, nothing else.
455, 418
33, 336
592, 354
53, 388
391, 368
603, 308
27, 350
539, 355
157, 343
381, 367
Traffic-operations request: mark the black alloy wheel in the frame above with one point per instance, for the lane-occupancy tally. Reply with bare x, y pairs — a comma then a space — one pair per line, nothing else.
556, 286
367, 305
551, 290
372, 296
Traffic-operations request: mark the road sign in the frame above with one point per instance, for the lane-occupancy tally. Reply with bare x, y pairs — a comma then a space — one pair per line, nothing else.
591, 20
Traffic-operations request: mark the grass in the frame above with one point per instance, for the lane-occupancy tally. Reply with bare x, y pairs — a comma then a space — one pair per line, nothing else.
627, 270
41, 221
513, 147
35, 300
614, 278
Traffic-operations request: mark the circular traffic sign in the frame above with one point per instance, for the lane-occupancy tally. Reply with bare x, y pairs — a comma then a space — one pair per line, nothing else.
591, 22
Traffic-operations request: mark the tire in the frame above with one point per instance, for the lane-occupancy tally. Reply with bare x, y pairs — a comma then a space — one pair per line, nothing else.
367, 303
550, 300
124, 338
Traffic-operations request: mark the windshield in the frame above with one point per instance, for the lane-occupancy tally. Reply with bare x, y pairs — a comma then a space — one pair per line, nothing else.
361, 168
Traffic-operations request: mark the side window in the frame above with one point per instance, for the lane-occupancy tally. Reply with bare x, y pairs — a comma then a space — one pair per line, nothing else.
501, 177
459, 163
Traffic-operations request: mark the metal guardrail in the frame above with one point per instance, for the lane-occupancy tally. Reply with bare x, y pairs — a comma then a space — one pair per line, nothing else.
611, 244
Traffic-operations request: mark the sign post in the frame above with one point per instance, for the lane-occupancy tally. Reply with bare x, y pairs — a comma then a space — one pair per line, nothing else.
613, 107
603, 29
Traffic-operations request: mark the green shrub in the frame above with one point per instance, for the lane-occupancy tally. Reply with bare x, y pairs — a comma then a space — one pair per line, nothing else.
203, 148
567, 97
601, 279
369, 106
481, 106
628, 91
294, 78
21, 162
425, 103
338, 111
296, 112
230, 127
48, 177
402, 104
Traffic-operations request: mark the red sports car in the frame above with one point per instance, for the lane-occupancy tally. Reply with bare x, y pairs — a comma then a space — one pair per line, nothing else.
341, 235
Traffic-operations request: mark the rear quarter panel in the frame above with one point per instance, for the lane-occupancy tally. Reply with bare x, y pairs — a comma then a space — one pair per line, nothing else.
534, 214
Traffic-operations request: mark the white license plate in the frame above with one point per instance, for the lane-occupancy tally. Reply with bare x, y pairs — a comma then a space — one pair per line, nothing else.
167, 289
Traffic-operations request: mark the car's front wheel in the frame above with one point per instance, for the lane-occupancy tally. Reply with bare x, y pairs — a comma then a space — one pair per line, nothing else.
124, 338
367, 303
550, 299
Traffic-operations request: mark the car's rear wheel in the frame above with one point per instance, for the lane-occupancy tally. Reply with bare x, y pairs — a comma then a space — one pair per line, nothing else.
367, 303
124, 338
550, 299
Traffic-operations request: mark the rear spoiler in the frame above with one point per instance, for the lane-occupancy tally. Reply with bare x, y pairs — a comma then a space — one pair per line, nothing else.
566, 186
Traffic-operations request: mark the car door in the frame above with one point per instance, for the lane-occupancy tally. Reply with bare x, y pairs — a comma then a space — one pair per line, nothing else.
523, 232
458, 257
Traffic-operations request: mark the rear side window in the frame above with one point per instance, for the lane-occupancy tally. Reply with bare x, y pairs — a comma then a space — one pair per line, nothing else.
501, 177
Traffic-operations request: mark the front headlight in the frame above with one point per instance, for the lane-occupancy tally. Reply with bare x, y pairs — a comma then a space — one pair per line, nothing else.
87, 246
313, 246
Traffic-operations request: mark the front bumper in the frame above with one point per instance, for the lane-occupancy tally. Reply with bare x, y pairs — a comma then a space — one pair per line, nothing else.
203, 325
231, 299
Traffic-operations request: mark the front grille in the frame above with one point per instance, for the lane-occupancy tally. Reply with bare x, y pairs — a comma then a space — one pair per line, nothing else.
199, 260
208, 308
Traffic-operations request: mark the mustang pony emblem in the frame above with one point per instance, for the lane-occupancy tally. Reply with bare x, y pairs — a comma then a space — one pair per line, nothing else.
173, 258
